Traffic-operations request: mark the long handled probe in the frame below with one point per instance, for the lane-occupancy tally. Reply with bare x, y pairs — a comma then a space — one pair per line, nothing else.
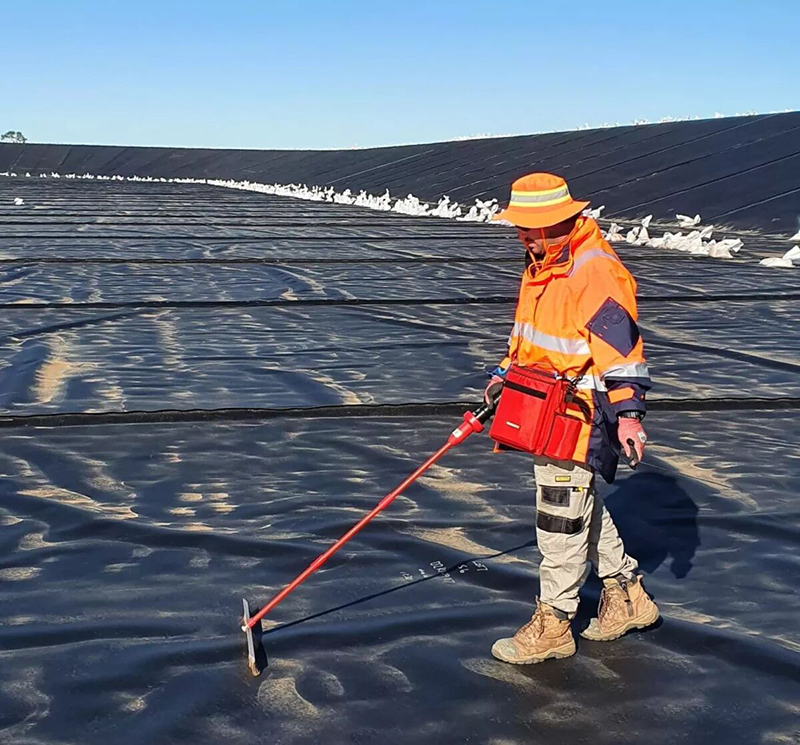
256, 657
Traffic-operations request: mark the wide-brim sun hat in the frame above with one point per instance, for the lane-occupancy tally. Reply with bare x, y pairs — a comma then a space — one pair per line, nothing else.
540, 200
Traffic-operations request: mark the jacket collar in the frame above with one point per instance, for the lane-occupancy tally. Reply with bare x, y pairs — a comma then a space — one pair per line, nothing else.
558, 260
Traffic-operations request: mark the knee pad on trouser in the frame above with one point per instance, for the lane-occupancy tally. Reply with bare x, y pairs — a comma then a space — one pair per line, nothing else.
564, 502
564, 490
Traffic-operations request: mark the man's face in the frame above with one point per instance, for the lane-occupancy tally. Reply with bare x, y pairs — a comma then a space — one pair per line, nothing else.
537, 240
532, 239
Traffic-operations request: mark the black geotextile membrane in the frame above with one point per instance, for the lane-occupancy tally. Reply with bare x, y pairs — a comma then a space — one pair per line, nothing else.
290, 249
740, 171
377, 313
163, 349
84, 283
67, 360
127, 549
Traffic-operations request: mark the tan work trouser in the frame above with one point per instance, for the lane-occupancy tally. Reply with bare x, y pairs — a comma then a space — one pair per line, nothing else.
573, 527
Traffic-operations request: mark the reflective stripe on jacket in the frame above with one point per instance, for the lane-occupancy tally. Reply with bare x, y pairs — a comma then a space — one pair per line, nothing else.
577, 313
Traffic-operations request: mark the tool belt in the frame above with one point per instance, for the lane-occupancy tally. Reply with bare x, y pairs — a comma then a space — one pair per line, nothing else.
532, 413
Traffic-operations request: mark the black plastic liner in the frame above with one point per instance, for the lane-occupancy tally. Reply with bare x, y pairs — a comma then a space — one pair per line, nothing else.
128, 549
177, 436
64, 360
740, 171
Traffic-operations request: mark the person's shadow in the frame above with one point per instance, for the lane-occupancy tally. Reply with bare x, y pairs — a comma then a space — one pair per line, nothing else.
657, 521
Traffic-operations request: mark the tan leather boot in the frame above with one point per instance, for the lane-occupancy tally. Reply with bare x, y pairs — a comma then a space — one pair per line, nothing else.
546, 635
624, 605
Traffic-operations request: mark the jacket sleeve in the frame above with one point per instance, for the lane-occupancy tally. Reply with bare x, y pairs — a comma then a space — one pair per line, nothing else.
513, 340
607, 318
505, 363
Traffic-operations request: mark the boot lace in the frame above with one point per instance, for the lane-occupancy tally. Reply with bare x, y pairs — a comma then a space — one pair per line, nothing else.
536, 624
608, 597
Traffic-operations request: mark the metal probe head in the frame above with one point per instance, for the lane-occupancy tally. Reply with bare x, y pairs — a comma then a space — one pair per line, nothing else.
256, 656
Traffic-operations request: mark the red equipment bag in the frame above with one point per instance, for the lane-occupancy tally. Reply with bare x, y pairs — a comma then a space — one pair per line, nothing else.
532, 413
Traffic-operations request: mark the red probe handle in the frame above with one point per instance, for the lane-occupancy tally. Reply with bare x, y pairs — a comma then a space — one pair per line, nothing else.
473, 422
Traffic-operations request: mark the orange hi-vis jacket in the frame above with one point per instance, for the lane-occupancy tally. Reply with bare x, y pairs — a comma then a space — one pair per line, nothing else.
577, 313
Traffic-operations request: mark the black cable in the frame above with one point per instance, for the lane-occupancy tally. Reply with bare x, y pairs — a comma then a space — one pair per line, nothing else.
413, 410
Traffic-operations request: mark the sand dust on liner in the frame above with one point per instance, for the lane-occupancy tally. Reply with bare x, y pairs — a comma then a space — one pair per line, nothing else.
33, 541
454, 538
687, 465
447, 480
280, 695
52, 377
19, 574
119, 512
675, 610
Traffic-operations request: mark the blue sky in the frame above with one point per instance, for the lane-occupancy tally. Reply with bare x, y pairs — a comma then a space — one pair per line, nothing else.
306, 74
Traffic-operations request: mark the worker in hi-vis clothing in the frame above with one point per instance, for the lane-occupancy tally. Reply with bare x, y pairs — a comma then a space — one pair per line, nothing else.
576, 313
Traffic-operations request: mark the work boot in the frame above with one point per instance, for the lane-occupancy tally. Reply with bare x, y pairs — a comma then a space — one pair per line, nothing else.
624, 605
546, 635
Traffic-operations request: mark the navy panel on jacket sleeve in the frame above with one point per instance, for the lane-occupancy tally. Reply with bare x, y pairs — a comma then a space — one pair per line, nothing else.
615, 326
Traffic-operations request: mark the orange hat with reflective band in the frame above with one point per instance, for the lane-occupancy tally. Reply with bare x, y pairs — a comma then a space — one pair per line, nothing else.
540, 200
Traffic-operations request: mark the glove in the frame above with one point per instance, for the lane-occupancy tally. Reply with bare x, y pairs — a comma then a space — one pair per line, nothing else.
632, 429
491, 393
